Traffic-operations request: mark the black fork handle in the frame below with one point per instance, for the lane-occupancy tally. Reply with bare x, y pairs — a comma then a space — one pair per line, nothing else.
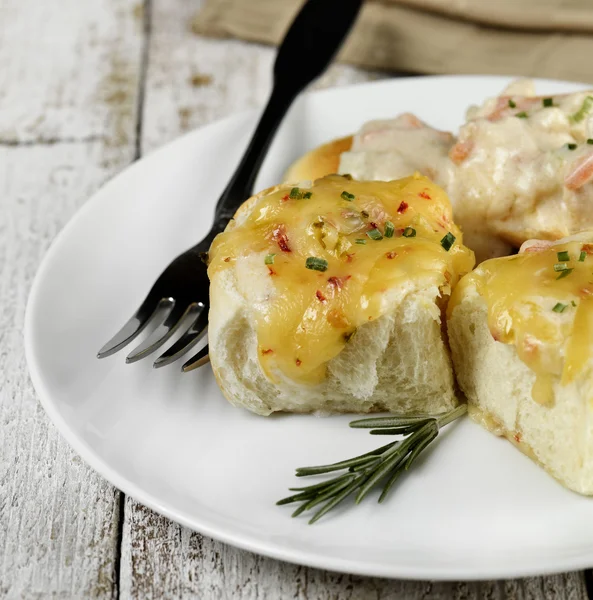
308, 47
241, 184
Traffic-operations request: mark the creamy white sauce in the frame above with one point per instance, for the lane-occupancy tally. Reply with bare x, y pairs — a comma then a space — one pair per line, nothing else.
511, 174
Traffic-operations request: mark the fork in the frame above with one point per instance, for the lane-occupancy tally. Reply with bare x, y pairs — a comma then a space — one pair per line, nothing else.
181, 293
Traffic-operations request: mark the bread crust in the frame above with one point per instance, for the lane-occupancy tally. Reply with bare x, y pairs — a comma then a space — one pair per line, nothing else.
319, 162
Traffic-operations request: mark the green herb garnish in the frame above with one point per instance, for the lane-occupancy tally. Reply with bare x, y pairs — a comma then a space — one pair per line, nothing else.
564, 273
571, 146
307, 195
560, 307
521, 115
512, 104
385, 464
347, 196
582, 256
561, 267
316, 264
563, 256
547, 102
409, 232
389, 229
573, 303
295, 193
360, 241
375, 234
448, 241
269, 260
590, 141
583, 111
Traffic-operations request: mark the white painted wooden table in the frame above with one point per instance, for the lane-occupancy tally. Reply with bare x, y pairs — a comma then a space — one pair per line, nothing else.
86, 87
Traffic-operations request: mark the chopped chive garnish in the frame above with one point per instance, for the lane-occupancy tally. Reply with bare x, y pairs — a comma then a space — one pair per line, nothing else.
590, 141
389, 229
547, 102
512, 104
269, 260
409, 232
560, 307
521, 115
360, 241
316, 264
295, 193
582, 256
347, 196
307, 195
560, 267
375, 234
571, 146
573, 303
448, 241
583, 111
564, 274
563, 256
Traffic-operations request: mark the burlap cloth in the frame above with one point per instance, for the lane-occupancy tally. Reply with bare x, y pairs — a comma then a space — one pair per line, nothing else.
543, 38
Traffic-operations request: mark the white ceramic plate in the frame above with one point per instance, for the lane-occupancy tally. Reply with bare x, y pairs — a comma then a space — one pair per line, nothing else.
474, 508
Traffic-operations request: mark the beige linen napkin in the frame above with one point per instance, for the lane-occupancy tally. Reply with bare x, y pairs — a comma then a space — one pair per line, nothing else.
543, 38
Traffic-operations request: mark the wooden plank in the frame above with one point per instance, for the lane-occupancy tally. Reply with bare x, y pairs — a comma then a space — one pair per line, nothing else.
192, 81
68, 94
163, 560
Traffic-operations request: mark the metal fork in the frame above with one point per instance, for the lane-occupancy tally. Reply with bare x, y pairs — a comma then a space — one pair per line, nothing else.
181, 294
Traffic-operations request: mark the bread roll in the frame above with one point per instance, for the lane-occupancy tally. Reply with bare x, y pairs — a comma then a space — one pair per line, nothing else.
319, 162
521, 334
328, 298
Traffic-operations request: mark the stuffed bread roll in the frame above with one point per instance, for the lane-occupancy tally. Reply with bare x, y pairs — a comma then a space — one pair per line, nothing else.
328, 297
521, 333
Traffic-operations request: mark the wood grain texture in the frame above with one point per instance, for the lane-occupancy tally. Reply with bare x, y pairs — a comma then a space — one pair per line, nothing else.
192, 81
70, 76
68, 95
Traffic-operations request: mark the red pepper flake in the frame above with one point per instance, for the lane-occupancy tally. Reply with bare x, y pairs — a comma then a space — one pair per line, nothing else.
320, 296
285, 198
403, 207
517, 437
267, 351
424, 194
373, 225
349, 257
280, 237
339, 282
391, 255
272, 272
298, 362
588, 248
227, 259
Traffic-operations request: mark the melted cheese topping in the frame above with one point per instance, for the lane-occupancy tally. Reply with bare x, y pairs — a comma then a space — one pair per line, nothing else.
305, 317
546, 315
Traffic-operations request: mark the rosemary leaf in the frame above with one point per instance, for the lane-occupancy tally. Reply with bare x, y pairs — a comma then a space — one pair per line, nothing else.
392, 421
329, 468
352, 462
337, 499
364, 472
319, 486
328, 493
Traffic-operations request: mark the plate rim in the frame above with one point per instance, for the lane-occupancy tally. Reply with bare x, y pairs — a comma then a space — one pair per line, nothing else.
222, 533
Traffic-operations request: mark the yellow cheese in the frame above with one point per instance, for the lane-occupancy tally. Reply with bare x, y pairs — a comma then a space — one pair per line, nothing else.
313, 312
540, 301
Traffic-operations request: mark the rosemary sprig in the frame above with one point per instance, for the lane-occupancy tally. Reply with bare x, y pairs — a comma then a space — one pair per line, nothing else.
364, 472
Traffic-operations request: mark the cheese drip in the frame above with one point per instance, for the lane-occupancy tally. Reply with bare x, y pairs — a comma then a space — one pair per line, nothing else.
374, 243
541, 302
